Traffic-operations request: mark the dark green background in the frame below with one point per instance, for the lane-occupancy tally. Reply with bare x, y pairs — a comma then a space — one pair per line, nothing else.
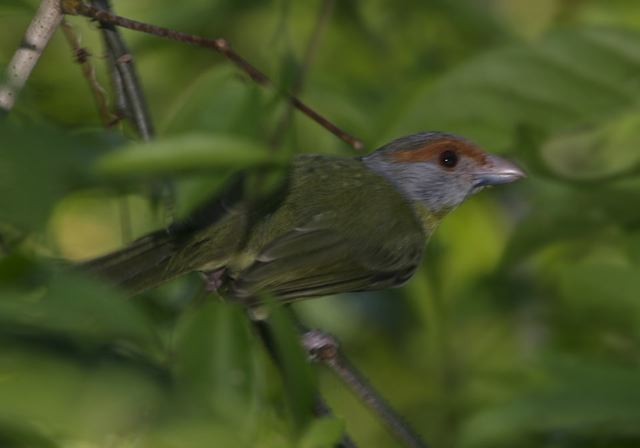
522, 327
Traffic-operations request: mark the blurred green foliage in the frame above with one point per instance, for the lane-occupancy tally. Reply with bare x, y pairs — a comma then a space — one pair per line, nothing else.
521, 330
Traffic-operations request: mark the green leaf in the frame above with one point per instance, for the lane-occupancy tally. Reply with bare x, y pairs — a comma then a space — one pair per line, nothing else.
566, 79
325, 432
70, 398
191, 152
38, 165
214, 362
23, 435
68, 304
15, 5
568, 213
579, 399
217, 101
597, 152
299, 380
600, 296
592, 282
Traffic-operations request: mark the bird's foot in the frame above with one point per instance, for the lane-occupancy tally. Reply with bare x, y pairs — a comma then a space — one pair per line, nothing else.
213, 279
320, 346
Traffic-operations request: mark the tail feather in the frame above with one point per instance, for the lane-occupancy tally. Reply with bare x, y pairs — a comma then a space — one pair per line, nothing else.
142, 265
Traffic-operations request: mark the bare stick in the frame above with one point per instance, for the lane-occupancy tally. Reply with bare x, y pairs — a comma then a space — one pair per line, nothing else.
26, 57
324, 348
82, 57
220, 45
117, 85
124, 63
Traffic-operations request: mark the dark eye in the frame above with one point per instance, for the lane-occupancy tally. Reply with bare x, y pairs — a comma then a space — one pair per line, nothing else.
448, 158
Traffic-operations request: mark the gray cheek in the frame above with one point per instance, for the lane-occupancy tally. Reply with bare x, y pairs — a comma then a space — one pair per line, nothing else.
429, 186
444, 192
422, 182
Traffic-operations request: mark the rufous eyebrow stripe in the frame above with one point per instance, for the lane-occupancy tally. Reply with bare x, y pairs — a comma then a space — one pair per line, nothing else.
432, 150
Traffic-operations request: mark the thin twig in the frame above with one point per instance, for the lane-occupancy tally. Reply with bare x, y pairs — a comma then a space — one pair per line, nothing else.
117, 86
121, 103
322, 19
36, 38
220, 45
324, 348
82, 57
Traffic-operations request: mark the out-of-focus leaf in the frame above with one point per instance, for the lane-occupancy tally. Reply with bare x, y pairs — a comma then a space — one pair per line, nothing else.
598, 298
38, 165
299, 380
75, 399
21, 435
217, 101
598, 402
593, 282
70, 305
323, 433
192, 152
567, 79
455, 262
193, 432
214, 360
526, 18
88, 225
567, 213
11, 5
597, 152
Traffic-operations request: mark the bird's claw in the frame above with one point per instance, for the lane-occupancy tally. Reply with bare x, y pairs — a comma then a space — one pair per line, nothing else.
319, 345
213, 279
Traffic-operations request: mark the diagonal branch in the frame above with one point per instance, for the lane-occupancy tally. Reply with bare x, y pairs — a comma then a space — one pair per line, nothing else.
325, 349
38, 35
220, 45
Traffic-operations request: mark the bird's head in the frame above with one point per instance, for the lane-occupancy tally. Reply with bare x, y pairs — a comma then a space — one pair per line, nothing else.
440, 170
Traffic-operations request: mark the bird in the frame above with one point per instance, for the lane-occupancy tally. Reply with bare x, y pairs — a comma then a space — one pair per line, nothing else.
327, 224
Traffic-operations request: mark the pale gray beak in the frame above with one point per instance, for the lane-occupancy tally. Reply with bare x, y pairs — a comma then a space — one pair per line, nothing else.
496, 171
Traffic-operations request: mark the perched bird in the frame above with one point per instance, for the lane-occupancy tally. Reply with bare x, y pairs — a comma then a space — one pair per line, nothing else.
333, 224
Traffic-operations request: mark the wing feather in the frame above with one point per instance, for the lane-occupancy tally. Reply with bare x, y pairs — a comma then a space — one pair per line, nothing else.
307, 263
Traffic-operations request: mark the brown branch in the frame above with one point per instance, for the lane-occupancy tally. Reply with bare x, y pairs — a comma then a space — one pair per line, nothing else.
325, 349
220, 45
